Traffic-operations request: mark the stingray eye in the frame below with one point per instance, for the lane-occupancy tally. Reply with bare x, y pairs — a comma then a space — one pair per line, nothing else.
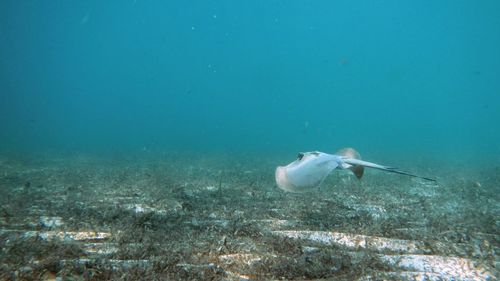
300, 156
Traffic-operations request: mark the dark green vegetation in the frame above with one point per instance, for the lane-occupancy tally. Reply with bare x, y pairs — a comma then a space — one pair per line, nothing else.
188, 217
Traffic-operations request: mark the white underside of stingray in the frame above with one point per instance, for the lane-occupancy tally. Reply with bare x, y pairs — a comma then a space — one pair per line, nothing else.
311, 168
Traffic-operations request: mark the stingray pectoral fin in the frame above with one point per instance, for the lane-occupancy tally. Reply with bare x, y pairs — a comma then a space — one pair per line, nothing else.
349, 152
357, 170
294, 181
300, 177
282, 179
358, 162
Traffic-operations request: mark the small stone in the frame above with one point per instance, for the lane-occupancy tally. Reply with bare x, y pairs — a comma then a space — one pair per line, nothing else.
50, 222
25, 270
50, 276
310, 250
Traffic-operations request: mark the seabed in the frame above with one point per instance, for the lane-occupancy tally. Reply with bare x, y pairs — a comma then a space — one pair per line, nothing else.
191, 217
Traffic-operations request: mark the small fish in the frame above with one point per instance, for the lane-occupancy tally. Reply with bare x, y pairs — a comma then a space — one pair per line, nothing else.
311, 168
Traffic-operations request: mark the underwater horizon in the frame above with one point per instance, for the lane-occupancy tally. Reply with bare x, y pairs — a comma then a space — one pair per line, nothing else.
139, 140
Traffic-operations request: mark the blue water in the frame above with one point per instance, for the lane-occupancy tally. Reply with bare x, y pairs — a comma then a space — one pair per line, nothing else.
417, 77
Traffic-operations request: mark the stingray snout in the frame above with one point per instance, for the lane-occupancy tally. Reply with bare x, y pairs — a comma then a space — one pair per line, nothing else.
282, 179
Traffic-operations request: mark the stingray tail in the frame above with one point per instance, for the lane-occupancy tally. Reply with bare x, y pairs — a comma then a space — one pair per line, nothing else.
357, 162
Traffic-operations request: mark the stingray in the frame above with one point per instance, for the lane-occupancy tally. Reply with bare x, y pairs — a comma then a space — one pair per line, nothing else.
311, 168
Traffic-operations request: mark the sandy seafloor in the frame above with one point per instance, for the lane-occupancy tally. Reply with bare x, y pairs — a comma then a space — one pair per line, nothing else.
195, 217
